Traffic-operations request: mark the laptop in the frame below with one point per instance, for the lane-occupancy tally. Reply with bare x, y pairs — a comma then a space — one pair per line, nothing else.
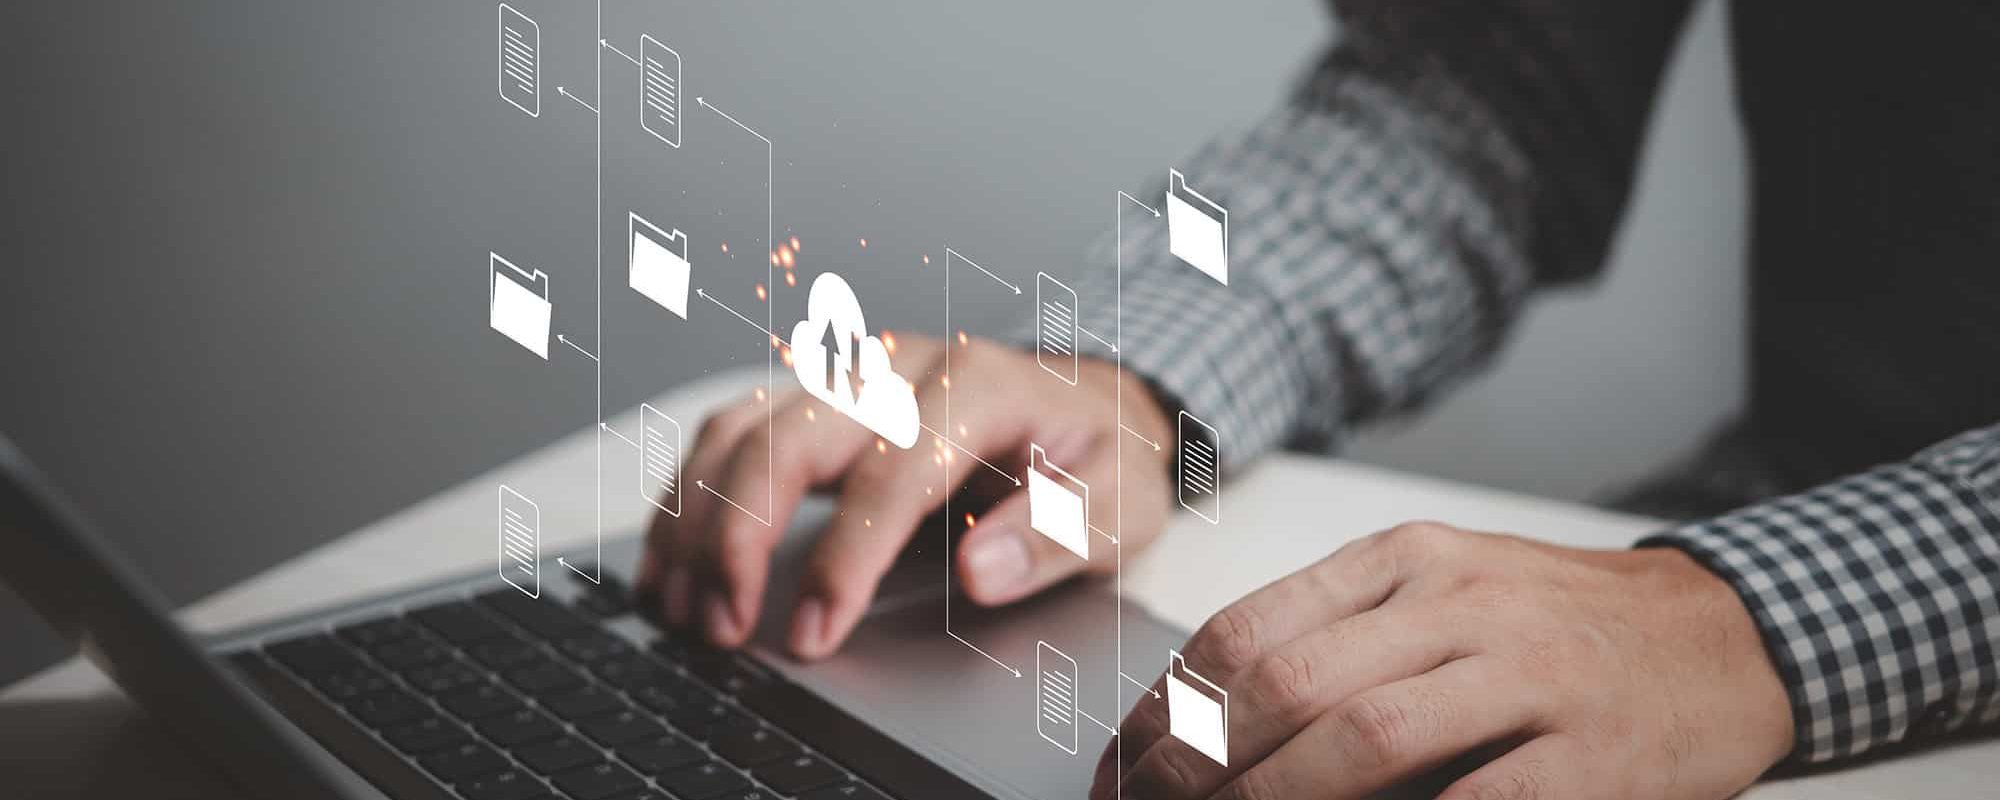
467, 688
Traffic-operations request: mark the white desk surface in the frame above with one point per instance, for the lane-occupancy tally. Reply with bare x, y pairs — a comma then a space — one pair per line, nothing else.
67, 732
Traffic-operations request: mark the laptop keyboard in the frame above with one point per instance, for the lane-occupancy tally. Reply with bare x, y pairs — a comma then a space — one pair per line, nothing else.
505, 697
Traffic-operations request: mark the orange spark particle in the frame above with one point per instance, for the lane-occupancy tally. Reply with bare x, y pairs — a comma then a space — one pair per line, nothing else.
791, 279
864, 242
961, 429
759, 393
927, 258
929, 490
776, 342
785, 355
762, 293
774, 258
881, 447
795, 245
937, 459
725, 247
961, 337
889, 342
969, 521
945, 381
867, 523
810, 416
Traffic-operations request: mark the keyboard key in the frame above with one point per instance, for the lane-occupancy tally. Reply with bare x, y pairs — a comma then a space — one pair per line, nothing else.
844, 791
544, 619
444, 677
375, 633
426, 735
560, 755
460, 623
387, 709
406, 654
750, 746
621, 728
504, 652
518, 727
481, 701
512, 784
598, 781
660, 755
668, 698
543, 677
799, 774
703, 781
594, 646
346, 684
632, 671
702, 721
314, 655
609, 598
465, 761
584, 703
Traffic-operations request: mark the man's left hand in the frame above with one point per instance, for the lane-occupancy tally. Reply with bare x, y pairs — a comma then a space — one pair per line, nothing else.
1570, 673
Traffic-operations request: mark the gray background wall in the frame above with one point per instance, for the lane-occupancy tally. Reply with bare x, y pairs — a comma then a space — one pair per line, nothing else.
246, 311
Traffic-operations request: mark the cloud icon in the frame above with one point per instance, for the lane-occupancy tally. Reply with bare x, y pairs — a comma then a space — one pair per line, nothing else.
839, 363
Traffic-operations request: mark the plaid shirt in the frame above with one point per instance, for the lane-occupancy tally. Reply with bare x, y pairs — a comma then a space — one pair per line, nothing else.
1388, 225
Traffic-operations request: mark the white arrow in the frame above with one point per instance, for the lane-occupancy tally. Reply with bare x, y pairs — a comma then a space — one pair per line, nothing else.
573, 568
975, 456
703, 102
1135, 682
1086, 715
635, 62
711, 298
1135, 200
725, 498
579, 100
1135, 434
614, 432
576, 347
989, 656
1100, 339
950, 253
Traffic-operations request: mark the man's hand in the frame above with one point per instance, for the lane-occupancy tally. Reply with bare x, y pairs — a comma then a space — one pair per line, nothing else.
1632, 674
709, 566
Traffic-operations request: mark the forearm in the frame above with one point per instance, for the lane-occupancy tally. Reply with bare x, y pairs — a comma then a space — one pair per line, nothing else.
1878, 596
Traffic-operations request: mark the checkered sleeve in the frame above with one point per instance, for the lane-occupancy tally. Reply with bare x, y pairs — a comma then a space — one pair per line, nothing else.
1878, 596
1386, 225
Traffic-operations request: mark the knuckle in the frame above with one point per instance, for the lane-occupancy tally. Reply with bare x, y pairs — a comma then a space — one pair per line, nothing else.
1380, 731
1231, 638
1259, 784
1282, 683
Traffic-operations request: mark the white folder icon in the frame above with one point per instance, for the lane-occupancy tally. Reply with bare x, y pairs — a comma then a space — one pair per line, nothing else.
1197, 710
519, 304
659, 264
1197, 228
1058, 503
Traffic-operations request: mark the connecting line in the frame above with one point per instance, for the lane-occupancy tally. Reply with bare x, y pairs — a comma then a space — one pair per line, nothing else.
1100, 532
578, 348
1100, 339
1118, 569
1135, 682
975, 456
1100, 723
989, 656
1135, 201
950, 254
573, 568
1141, 437
621, 437
579, 101
770, 302
597, 294
725, 498
635, 62
719, 304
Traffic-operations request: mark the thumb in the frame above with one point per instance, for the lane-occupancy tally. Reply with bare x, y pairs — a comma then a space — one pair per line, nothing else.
1003, 558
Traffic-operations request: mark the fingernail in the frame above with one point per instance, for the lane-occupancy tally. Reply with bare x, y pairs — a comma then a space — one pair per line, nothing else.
678, 595
998, 560
809, 628
721, 621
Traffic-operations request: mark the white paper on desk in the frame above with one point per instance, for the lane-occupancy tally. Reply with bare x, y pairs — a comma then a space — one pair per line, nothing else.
520, 542
1197, 710
519, 304
1058, 504
1197, 228
659, 264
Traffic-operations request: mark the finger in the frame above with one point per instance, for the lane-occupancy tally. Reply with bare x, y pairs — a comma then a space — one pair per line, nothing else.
880, 508
774, 464
665, 571
1282, 692
1555, 765
1356, 578
1390, 733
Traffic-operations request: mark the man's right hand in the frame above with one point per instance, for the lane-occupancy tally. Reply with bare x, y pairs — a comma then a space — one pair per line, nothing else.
709, 566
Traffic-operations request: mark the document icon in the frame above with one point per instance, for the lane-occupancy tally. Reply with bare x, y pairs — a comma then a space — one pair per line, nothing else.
659, 264
518, 304
520, 542
1197, 465
1055, 328
520, 61
660, 90
1058, 503
660, 460
1197, 710
1197, 228
1055, 697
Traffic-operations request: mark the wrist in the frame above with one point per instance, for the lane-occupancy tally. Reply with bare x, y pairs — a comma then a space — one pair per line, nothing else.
1723, 625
